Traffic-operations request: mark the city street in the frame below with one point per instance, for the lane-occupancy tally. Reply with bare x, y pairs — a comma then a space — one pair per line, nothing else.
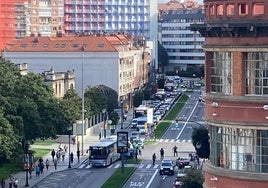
146, 174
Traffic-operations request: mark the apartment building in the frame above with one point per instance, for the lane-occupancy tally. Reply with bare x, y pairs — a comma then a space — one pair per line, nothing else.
96, 60
136, 17
13, 20
236, 92
184, 47
46, 17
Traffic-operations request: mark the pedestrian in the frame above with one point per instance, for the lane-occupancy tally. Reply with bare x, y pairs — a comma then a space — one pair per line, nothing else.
162, 154
3, 183
63, 155
47, 164
55, 163
58, 155
40, 160
41, 167
53, 154
72, 157
154, 158
99, 135
175, 152
65, 148
31, 168
16, 182
78, 155
73, 139
37, 170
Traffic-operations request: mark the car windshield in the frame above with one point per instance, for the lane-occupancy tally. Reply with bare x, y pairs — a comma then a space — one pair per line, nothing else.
166, 164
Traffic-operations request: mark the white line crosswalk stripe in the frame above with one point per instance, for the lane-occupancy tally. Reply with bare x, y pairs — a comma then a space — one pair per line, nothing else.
155, 166
174, 140
148, 166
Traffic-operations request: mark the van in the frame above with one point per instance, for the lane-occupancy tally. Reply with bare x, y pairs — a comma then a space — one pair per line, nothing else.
141, 122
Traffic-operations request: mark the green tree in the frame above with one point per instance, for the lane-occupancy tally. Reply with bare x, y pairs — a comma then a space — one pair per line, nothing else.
29, 106
95, 101
8, 143
200, 140
194, 179
71, 105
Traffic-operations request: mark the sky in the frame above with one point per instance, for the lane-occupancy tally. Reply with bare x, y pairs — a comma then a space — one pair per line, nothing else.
165, 1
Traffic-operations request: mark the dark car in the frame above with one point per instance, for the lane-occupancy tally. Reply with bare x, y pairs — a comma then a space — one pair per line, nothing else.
166, 168
181, 162
178, 182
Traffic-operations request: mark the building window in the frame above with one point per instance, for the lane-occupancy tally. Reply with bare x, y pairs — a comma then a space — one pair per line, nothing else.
239, 149
256, 73
212, 10
258, 8
221, 74
230, 9
219, 10
243, 9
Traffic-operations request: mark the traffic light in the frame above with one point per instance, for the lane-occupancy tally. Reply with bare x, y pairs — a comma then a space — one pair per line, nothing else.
177, 123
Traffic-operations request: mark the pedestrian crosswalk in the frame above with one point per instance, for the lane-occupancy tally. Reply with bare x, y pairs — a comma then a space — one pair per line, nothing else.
170, 140
118, 165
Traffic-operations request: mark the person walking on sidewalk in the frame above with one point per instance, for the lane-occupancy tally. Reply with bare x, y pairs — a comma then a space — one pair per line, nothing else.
47, 164
175, 152
37, 171
72, 157
162, 154
55, 164
53, 153
154, 158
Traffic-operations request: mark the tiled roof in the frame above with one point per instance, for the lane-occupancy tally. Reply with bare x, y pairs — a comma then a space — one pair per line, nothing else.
176, 5
100, 43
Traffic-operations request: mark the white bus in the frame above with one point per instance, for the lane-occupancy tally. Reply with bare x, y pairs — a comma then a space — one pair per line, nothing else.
104, 152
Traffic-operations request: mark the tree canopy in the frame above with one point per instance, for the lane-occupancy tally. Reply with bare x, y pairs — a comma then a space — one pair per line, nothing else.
28, 110
200, 140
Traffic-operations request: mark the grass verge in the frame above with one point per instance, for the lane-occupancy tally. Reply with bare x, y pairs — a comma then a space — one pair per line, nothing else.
118, 178
44, 143
13, 167
163, 125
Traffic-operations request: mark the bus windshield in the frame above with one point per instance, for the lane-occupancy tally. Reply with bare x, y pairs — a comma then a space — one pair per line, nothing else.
98, 152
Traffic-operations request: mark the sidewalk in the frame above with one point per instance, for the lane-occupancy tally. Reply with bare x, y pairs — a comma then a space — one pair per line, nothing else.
89, 139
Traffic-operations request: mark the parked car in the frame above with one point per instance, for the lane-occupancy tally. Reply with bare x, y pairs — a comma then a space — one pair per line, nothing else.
166, 167
181, 162
178, 182
134, 123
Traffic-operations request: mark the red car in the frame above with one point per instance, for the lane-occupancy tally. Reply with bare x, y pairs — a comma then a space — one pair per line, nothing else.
182, 161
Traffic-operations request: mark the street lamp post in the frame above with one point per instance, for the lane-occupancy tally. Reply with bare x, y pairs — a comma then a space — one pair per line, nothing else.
28, 160
69, 131
104, 111
27, 169
122, 115
83, 105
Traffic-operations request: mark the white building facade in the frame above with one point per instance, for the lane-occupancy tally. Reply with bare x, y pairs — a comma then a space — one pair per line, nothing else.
183, 46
